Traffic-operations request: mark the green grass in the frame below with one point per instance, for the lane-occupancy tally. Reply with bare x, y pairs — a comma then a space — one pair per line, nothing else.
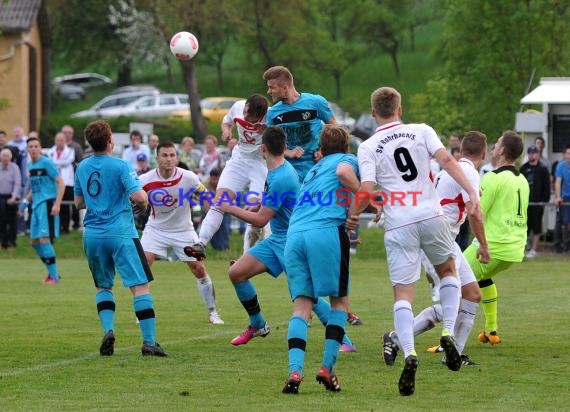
51, 335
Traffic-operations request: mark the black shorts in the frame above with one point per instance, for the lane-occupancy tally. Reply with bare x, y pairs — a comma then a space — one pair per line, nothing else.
534, 221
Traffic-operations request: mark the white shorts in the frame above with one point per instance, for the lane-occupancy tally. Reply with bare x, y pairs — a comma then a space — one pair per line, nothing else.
157, 242
405, 244
244, 173
465, 272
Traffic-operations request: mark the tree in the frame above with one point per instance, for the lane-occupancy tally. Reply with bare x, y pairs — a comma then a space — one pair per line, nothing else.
384, 25
488, 58
336, 46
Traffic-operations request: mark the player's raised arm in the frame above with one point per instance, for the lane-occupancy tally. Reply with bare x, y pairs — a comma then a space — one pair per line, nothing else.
450, 165
259, 218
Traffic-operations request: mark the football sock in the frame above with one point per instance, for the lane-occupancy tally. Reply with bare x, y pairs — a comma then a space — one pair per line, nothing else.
211, 224
252, 236
207, 291
46, 252
404, 324
106, 309
323, 310
297, 342
449, 293
464, 323
144, 311
427, 319
489, 296
247, 295
334, 333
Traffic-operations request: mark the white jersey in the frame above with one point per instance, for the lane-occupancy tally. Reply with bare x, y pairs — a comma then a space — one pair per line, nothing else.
453, 197
397, 157
169, 199
249, 134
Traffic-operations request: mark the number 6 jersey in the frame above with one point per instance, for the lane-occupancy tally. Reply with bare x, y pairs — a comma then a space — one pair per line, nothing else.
397, 157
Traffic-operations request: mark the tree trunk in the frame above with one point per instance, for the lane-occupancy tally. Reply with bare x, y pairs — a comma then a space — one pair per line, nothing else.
220, 73
191, 82
264, 50
337, 85
394, 56
124, 76
412, 38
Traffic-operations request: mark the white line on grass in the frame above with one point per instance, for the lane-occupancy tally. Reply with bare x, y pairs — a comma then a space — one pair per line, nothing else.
94, 355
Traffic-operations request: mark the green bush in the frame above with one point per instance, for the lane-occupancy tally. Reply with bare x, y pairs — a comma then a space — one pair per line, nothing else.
167, 129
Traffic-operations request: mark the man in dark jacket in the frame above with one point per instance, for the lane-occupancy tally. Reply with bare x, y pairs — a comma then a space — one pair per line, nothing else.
539, 182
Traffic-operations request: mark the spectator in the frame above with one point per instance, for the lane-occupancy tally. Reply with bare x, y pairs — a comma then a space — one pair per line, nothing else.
19, 143
4, 145
142, 164
453, 142
539, 143
153, 142
10, 188
137, 147
456, 153
210, 159
221, 239
63, 157
232, 143
189, 158
562, 192
538, 179
492, 164
67, 131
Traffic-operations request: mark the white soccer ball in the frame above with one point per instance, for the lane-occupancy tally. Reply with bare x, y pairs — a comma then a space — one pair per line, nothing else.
184, 45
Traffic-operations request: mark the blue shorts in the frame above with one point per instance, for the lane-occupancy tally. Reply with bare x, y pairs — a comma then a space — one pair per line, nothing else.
104, 255
42, 223
565, 211
302, 167
316, 262
270, 252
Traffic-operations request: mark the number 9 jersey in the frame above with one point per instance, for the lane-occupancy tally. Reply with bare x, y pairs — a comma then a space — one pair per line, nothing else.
397, 158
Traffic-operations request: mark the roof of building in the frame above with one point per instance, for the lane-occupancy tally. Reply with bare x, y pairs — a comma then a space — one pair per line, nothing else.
553, 90
17, 16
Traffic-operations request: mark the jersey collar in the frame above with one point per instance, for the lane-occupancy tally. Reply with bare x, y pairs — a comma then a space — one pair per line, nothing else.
465, 160
388, 126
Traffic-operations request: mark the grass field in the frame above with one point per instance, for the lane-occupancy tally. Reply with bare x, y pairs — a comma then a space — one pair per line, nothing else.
49, 358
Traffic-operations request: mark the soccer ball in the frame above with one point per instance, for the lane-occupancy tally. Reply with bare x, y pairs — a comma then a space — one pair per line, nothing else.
184, 45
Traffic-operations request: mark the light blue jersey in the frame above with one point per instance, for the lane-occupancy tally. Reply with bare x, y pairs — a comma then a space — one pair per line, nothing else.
106, 184
43, 174
281, 188
323, 201
302, 122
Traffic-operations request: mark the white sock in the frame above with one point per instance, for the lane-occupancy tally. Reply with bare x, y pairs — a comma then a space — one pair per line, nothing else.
404, 324
427, 319
210, 225
206, 289
251, 236
464, 323
450, 295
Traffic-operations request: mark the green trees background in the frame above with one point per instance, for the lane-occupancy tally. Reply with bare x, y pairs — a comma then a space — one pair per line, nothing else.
461, 64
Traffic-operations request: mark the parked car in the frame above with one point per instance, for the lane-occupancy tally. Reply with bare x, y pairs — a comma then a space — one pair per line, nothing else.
157, 105
364, 127
69, 91
213, 109
72, 86
111, 102
342, 118
136, 88
84, 80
